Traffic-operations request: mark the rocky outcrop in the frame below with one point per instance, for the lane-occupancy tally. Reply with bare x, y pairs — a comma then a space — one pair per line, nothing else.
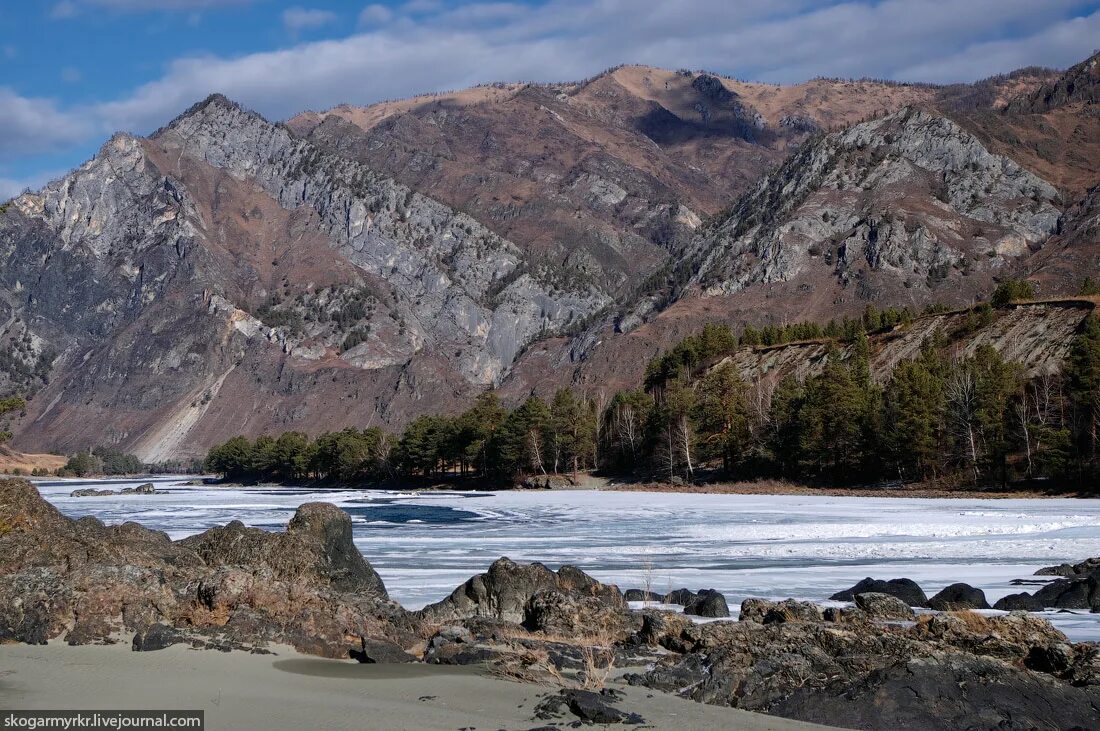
1079, 570
824, 210
708, 603
506, 590
941, 672
905, 589
883, 607
147, 489
958, 596
86, 583
1075, 593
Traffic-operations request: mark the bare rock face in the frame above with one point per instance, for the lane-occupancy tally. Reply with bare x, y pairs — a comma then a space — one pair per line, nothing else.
942, 672
505, 591
823, 210
229, 587
317, 545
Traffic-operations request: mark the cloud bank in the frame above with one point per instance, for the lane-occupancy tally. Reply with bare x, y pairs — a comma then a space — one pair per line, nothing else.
396, 51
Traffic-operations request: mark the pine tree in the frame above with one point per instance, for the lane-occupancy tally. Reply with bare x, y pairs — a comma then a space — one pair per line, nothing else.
722, 414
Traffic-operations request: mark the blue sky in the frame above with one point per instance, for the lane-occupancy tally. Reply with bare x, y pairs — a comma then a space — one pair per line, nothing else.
75, 71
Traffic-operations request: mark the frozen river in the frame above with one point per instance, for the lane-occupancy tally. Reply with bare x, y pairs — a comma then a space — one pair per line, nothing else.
424, 545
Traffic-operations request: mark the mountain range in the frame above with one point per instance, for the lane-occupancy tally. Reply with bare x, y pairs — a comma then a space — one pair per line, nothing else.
363, 265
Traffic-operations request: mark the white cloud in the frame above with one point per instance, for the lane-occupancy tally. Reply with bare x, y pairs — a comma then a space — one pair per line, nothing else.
71, 8
295, 20
425, 46
33, 125
375, 15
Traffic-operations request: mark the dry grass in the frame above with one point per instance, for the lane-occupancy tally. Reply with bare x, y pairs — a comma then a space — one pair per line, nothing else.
972, 621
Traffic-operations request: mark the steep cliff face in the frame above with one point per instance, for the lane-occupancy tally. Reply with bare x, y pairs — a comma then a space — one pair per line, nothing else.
223, 276
903, 210
909, 200
604, 178
1038, 337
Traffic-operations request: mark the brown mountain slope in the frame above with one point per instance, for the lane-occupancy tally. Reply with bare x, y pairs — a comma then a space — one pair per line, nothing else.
363, 266
604, 177
905, 210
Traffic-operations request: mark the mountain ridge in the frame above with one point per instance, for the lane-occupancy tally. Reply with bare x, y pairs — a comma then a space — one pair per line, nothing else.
365, 265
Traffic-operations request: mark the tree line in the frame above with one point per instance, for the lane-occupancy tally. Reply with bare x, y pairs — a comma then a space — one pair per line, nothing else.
972, 420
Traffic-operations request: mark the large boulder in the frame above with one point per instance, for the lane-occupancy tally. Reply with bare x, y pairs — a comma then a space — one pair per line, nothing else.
708, 603
230, 587
764, 611
317, 545
883, 606
642, 595
504, 591
1018, 602
1076, 570
683, 597
1082, 593
905, 589
958, 596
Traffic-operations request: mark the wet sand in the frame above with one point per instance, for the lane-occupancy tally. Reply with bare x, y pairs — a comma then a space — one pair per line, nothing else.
293, 691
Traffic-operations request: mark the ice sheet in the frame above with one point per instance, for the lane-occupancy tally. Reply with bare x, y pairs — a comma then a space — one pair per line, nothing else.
805, 547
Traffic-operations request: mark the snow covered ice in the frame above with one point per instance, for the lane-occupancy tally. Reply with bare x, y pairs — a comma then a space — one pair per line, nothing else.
806, 547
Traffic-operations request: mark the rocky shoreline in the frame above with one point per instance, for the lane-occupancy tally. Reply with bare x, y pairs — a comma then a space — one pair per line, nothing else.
874, 664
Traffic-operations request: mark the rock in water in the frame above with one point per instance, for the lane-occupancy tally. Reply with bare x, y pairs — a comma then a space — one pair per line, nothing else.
958, 596
641, 595
683, 597
708, 603
1019, 602
905, 589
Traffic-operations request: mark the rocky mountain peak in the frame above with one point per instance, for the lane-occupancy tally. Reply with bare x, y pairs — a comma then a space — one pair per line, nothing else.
908, 193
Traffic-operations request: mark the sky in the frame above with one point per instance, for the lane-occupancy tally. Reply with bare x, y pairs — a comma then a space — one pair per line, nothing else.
76, 71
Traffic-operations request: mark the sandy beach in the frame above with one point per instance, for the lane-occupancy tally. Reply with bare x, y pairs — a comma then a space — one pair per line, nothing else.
293, 691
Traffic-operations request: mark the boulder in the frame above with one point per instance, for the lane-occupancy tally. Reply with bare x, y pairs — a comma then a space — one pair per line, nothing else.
641, 595
156, 637
317, 544
589, 706
575, 615
381, 652
708, 603
763, 611
1080, 593
503, 592
958, 596
884, 606
683, 597
1016, 602
91, 492
1077, 570
905, 589
231, 587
